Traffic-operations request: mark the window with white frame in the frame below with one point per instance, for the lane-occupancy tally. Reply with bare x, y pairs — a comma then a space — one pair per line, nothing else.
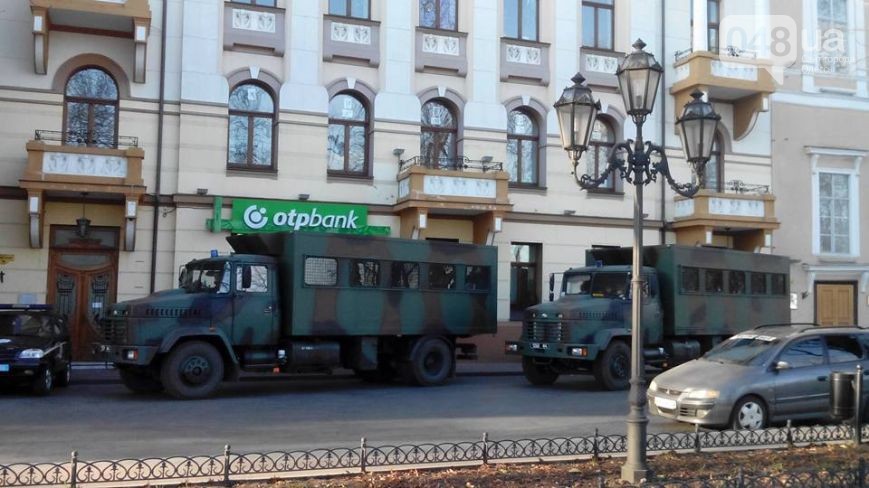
834, 213
833, 49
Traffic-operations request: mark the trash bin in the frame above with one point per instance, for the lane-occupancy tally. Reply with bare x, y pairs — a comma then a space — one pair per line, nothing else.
842, 395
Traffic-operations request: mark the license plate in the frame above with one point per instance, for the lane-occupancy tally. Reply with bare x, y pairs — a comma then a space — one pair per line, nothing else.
539, 346
4, 368
665, 403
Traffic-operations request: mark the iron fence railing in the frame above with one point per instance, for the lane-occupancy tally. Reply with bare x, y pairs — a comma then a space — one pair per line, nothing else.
86, 138
739, 186
728, 51
460, 163
229, 465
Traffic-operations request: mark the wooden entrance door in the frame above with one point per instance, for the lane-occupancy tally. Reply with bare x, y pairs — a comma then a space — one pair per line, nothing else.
836, 303
82, 282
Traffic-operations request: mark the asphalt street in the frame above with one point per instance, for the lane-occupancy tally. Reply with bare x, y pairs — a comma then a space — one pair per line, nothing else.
102, 420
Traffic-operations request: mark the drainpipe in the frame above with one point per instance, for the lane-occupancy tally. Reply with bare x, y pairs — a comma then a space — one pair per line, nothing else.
663, 115
161, 111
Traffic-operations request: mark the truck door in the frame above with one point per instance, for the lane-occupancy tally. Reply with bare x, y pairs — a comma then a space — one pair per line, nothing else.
254, 305
652, 320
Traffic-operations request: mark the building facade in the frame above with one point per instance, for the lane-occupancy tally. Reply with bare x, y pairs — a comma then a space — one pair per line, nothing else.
140, 133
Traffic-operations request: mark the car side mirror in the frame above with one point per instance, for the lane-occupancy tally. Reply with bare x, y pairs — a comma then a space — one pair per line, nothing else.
782, 365
245, 277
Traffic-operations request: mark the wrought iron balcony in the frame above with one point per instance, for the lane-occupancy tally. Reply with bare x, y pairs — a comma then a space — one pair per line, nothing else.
86, 138
460, 163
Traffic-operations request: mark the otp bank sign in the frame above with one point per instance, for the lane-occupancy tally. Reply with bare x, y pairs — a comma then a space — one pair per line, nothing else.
273, 216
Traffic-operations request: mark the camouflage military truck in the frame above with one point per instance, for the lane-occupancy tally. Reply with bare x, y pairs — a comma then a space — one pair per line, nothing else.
308, 303
693, 298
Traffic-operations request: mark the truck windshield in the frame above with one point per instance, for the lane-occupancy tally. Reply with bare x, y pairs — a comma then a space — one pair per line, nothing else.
609, 285
208, 277
745, 349
25, 325
577, 284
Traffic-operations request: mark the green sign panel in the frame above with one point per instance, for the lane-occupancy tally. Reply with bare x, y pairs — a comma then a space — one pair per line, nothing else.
249, 216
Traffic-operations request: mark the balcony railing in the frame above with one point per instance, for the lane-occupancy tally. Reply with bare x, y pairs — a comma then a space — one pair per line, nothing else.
742, 188
86, 138
460, 163
728, 51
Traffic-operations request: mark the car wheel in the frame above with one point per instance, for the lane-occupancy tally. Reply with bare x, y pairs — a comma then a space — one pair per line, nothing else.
538, 374
139, 381
612, 368
44, 382
192, 370
63, 378
431, 362
749, 414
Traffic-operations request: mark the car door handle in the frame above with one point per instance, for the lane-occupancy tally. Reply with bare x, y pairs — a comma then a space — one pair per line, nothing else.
822, 378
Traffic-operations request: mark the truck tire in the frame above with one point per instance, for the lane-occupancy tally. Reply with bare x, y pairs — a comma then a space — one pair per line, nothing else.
431, 362
612, 368
139, 381
192, 370
538, 374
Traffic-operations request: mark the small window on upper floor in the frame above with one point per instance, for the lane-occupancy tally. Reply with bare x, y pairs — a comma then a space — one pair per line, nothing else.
348, 135
522, 148
438, 139
91, 106
251, 121
833, 26
438, 14
261, 3
596, 158
713, 172
520, 19
358, 9
597, 24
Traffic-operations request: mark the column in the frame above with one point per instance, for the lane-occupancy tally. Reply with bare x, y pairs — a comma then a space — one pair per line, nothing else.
483, 109
700, 29
303, 90
397, 100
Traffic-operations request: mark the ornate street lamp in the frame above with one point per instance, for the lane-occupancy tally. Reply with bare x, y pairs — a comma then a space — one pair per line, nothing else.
639, 76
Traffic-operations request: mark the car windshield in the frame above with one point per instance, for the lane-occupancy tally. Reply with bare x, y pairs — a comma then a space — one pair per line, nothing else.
577, 284
745, 349
206, 276
25, 325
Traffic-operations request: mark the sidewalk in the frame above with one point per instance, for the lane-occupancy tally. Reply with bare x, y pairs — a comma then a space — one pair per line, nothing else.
100, 373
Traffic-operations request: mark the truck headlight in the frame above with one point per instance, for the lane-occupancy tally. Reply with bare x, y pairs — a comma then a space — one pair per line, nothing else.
31, 354
653, 386
702, 394
577, 351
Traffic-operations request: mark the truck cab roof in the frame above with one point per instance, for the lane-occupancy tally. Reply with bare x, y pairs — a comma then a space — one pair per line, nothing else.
607, 269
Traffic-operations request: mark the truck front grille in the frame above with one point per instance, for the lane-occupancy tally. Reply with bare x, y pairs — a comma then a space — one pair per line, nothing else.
537, 331
114, 331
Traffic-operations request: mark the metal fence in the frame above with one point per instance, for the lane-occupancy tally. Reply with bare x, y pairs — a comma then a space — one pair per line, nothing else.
230, 466
459, 163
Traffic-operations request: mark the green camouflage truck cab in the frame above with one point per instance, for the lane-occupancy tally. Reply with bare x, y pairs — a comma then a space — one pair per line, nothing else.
693, 298
307, 303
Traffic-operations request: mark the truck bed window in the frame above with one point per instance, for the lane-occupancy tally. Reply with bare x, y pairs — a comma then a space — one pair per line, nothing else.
714, 282
477, 278
777, 284
736, 282
690, 280
758, 283
321, 271
365, 273
441, 276
405, 275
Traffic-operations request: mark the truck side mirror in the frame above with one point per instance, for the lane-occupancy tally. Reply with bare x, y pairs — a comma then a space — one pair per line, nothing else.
245, 277
182, 276
551, 286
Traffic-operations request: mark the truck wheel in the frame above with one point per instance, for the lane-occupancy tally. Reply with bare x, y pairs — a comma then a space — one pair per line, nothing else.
139, 381
431, 362
538, 374
192, 370
44, 381
612, 369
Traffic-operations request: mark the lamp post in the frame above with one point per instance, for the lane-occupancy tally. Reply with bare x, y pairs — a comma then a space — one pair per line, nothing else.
639, 76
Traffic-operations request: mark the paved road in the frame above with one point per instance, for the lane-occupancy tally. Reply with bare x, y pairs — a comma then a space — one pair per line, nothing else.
104, 421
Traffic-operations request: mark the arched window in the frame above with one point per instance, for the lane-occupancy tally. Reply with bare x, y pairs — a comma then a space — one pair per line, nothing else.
714, 173
251, 120
522, 137
439, 135
348, 135
602, 141
91, 109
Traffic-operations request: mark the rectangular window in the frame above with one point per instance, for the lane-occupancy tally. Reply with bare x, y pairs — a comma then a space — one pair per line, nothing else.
690, 280
321, 271
405, 275
365, 273
438, 14
833, 28
713, 21
520, 19
610, 285
477, 278
843, 349
834, 202
261, 3
524, 278
736, 282
778, 284
758, 283
714, 281
257, 282
597, 24
358, 9
441, 276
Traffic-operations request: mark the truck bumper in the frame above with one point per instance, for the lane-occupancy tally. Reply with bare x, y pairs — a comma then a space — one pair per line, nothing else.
586, 352
132, 355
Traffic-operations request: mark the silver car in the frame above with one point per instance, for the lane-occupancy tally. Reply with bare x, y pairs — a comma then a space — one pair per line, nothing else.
768, 374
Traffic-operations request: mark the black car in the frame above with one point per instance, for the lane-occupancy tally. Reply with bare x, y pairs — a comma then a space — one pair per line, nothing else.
34, 347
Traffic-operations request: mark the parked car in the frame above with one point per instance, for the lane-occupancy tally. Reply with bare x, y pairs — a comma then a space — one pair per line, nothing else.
765, 375
34, 347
